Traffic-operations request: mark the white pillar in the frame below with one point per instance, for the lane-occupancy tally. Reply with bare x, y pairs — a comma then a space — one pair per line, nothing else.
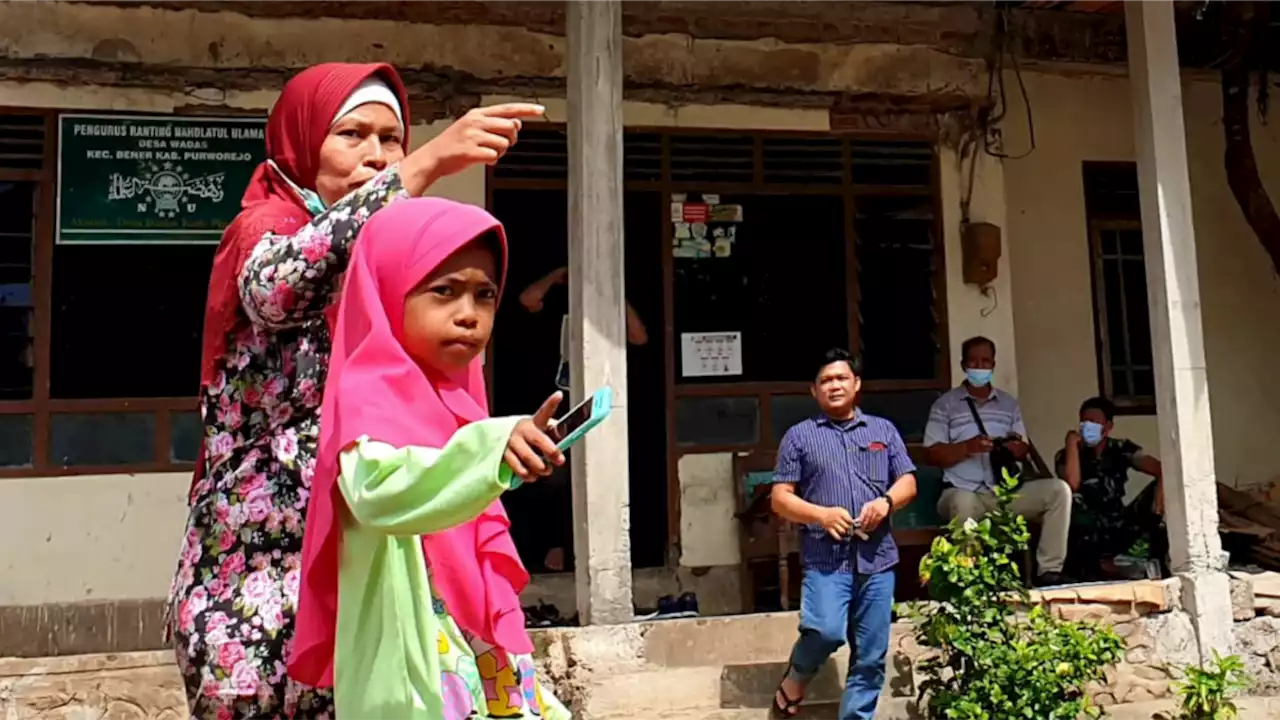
601, 501
1173, 289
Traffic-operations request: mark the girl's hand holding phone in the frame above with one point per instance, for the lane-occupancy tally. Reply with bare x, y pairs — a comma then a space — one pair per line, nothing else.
531, 453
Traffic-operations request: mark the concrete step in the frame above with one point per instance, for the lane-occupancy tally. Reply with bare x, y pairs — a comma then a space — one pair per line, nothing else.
903, 709
734, 692
1251, 708
895, 710
751, 685
723, 641
699, 666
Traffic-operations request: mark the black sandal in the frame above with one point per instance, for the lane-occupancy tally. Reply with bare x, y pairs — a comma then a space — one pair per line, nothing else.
792, 707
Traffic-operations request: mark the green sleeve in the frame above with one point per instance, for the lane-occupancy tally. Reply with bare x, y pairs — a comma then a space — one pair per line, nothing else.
417, 490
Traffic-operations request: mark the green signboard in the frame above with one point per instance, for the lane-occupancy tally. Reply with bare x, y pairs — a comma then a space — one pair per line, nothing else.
130, 179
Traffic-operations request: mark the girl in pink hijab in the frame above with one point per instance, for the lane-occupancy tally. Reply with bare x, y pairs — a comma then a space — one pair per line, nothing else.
409, 605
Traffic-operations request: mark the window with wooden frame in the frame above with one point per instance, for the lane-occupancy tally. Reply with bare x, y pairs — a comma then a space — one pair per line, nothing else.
838, 245
1122, 321
99, 344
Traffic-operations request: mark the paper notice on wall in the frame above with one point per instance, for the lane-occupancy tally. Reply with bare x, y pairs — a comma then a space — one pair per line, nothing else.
725, 213
717, 354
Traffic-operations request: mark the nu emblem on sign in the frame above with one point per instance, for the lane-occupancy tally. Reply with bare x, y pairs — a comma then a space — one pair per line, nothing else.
164, 188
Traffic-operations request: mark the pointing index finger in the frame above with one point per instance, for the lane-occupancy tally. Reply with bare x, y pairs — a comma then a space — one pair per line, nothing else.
542, 418
514, 110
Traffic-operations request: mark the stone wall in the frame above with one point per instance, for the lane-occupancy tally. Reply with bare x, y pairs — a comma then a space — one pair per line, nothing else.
1160, 637
1147, 614
1255, 601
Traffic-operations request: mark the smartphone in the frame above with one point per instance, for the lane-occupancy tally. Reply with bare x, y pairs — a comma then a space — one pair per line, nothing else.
571, 427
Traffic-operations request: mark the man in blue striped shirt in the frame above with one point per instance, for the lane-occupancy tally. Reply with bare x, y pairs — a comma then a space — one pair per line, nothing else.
840, 475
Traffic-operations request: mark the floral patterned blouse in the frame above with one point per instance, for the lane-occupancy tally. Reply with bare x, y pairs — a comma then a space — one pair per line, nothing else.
236, 588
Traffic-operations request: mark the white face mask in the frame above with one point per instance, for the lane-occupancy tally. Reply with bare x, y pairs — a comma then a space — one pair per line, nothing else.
978, 377
1091, 432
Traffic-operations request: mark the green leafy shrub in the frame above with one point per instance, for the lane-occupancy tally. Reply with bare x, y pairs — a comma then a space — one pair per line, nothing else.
991, 664
1205, 693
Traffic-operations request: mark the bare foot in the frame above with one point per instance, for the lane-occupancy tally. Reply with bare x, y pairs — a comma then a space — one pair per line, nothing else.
554, 561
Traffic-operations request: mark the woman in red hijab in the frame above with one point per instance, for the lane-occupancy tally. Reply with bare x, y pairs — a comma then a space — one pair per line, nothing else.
337, 153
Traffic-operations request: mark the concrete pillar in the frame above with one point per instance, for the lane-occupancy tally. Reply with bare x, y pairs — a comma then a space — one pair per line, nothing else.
1173, 288
601, 502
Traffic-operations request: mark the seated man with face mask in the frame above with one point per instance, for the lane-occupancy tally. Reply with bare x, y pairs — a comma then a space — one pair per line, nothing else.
972, 430
1096, 465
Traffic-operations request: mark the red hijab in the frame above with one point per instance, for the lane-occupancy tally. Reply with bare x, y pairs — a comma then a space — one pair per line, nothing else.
374, 388
296, 129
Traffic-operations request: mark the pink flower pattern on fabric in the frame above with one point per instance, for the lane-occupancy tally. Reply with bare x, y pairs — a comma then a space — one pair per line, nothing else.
236, 586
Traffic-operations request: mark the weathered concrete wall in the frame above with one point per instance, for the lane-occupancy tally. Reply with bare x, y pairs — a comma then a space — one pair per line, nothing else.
955, 28
708, 501
142, 46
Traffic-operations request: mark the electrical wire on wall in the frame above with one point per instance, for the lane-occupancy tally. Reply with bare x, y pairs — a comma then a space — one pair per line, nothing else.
990, 116
997, 105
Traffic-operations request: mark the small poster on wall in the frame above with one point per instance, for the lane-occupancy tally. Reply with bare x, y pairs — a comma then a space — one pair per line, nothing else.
715, 354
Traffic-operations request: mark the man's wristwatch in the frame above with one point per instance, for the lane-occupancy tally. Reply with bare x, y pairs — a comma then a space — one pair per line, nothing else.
889, 500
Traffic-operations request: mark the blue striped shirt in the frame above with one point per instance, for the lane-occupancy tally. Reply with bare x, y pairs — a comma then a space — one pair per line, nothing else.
844, 464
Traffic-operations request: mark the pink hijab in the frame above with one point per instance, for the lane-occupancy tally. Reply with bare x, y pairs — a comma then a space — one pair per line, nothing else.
374, 388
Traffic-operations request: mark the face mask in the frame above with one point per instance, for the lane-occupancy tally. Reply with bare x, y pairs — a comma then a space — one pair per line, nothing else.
310, 198
1091, 433
978, 378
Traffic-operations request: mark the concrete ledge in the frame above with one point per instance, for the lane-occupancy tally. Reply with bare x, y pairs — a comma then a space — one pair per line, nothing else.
119, 626
1149, 595
141, 686
85, 628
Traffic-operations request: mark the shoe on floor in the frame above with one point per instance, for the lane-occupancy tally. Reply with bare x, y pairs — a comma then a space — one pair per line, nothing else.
687, 605
1050, 579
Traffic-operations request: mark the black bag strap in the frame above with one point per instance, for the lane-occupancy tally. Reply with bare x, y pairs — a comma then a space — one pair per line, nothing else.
982, 429
973, 408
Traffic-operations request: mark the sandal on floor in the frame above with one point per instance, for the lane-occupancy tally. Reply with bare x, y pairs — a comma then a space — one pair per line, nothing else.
792, 707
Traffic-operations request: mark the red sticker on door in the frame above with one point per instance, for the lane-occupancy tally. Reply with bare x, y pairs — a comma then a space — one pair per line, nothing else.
696, 212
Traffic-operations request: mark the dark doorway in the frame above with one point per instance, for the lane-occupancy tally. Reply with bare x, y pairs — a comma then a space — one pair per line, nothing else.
526, 356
